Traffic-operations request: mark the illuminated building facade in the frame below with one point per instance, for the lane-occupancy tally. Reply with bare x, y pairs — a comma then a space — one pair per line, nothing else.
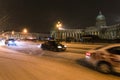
100, 29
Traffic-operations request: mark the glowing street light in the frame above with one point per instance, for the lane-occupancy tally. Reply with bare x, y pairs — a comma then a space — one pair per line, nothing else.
25, 31
13, 32
58, 25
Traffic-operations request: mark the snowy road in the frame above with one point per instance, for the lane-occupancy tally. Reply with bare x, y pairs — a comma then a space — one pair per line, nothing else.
20, 66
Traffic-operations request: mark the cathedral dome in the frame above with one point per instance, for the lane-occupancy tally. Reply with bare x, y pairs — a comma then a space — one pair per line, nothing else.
100, 17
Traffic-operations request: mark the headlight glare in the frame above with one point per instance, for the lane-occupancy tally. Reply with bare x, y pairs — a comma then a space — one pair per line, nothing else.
65, 46
59, 46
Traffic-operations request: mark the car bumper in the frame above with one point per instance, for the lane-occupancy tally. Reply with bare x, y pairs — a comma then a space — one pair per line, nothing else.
61, 49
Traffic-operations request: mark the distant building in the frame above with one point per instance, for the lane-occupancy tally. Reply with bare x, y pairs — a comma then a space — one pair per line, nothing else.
20, 35
100, 20
64, 34
100, 29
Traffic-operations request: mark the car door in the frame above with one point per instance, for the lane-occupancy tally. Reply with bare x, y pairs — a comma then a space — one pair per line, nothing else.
115, 54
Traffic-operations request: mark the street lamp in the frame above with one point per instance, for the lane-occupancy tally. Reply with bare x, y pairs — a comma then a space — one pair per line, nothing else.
25, 31
13, 32
58, 25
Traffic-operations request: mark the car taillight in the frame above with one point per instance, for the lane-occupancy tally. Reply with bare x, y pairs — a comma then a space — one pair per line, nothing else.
88, 53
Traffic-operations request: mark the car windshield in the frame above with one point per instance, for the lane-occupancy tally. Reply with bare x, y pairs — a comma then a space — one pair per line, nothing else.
11, 39
57, 42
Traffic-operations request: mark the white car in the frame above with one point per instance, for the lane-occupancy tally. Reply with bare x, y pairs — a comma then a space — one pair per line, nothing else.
105, 59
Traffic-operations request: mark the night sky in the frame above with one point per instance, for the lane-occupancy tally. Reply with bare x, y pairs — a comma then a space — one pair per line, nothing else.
41, 15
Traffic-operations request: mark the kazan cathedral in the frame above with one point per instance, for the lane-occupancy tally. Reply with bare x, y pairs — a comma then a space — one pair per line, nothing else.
100, 29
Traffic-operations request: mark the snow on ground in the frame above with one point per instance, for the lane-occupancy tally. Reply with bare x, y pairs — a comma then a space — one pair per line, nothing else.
19, 66
73, 52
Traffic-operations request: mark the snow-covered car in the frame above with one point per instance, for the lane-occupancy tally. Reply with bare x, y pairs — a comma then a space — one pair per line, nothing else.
53, 46
11, 42
105, 59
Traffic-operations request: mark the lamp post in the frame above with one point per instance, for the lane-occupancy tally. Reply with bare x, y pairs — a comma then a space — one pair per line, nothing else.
13, 32
58, 25
25, 31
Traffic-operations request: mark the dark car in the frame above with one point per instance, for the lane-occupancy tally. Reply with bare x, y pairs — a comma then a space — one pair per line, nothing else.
10, 42
53, 46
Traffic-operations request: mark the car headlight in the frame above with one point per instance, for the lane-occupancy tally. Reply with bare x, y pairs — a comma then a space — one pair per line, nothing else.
59, 46
10, 42
65, 46
39, 46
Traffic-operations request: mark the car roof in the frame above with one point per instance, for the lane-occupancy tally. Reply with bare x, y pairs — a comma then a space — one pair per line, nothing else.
106, 46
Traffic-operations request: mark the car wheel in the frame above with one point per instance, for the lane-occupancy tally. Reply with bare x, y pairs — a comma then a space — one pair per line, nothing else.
55, 50
104, 67
51, 49
43, 48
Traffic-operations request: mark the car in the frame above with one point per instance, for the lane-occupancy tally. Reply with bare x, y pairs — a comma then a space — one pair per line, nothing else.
105, 59
53, 46
10, 42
